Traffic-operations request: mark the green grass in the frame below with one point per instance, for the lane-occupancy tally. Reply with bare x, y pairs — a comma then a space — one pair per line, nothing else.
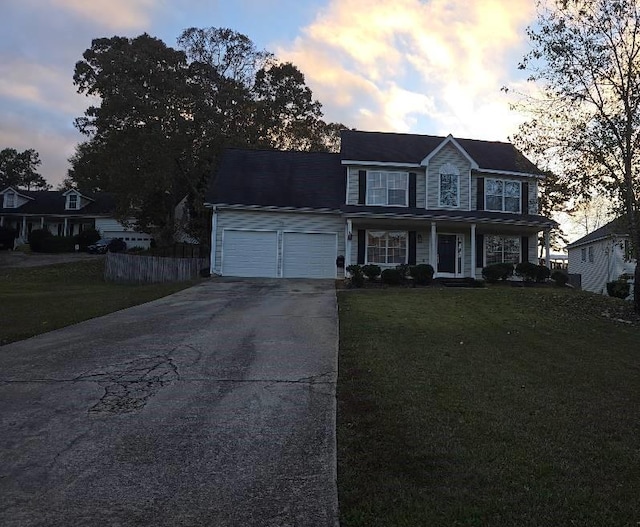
39, 299
487, 407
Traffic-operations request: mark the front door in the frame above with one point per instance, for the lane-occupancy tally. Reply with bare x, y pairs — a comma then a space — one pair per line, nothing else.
447, 244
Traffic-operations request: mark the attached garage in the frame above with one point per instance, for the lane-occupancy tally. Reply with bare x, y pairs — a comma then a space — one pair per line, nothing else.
309, 255
250, 253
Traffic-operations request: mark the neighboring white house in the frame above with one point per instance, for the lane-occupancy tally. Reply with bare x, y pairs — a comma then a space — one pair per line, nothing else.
601, 256
386, 199
64, 213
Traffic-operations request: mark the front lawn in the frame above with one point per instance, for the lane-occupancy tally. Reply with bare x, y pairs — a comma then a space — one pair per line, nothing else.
487, 407
35, 300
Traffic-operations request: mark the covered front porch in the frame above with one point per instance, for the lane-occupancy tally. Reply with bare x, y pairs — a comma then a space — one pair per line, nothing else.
453, 249
56, 225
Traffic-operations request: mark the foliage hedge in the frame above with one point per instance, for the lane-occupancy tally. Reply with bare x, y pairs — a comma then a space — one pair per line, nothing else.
422, 274
42, 241
87, 237
357, 276
392, 277
371, 271
560, 278
7, 237
531, 272
618, 289
498, 271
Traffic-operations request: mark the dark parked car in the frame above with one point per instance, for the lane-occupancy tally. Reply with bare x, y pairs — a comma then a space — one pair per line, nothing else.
113, 245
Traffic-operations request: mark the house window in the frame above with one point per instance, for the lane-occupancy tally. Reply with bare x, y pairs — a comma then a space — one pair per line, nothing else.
590, 250
449, 186
387, 247
10, 200
502, 249
583, 254
387, 188
72, 201
502, 195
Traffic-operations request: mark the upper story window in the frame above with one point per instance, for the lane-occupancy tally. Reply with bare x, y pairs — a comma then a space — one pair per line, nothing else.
72, 201
502, 195
387, 188
10, 200
449, 186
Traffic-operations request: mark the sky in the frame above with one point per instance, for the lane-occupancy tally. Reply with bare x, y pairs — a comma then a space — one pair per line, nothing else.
416, 66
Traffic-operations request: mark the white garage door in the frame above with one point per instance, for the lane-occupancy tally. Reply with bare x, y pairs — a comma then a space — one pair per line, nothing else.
250, 253
309, 255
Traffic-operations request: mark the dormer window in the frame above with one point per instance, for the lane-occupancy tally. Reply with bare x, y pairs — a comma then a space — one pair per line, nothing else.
10, 200
72, 202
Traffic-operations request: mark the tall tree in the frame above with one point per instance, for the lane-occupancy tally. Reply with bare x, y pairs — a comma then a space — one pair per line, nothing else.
19, 170
585, 124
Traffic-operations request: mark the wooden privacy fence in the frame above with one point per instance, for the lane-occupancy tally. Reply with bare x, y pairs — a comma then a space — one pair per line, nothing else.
131, 268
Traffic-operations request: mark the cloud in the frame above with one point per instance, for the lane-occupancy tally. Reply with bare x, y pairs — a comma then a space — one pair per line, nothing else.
120, 15
397, 65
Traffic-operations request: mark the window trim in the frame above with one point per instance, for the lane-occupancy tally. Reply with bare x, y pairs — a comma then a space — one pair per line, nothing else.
502, 237
386, 173
504, 181
76, 202
448, 169
387, 232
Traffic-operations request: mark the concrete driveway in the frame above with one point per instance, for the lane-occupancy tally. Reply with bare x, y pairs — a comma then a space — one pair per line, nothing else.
214, 406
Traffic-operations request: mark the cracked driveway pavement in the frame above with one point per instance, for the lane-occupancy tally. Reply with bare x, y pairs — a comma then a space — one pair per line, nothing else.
214, 406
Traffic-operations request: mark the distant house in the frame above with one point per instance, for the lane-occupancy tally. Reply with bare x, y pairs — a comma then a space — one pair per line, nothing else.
385, 199
64, 213
601, 256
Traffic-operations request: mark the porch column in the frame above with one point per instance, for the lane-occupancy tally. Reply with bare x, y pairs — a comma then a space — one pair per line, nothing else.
42, 222
347, 244
1, 221
23, 232
547, 246
433, 256
473, 250
64, 232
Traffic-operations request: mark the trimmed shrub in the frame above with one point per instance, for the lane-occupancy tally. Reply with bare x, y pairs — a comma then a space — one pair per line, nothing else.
528, 271
36, 239
87, 237
560, 278
499, 271
371, 271
422, 274
403, 269
58, 244
392, 277
618, 289
7, 237
543, 273
357, 276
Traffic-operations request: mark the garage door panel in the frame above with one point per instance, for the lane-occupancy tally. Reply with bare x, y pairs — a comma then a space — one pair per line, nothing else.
309, 255
250, 253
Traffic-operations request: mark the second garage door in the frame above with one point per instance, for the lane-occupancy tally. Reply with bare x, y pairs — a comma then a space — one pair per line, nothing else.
309, 255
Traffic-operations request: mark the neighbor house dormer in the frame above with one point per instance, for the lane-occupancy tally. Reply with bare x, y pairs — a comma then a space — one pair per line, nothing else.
74, 200
13, 199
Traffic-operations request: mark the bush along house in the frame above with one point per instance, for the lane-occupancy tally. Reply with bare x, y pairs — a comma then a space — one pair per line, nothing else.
385, 199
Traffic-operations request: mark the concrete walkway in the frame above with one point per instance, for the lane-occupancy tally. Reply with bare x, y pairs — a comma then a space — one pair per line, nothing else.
215, 406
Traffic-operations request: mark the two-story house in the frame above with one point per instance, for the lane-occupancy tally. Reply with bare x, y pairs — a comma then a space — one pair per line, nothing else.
388, 199
64, 213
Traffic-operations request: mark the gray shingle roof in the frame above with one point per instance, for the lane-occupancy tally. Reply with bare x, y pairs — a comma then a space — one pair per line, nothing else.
617, 227
411, 148
278, 178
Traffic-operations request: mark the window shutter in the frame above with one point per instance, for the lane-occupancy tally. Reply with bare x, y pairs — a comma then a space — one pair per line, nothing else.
362, 187
412, 247
525, 248
412, 189
479, 250
480, 197
362, 245
524, 196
